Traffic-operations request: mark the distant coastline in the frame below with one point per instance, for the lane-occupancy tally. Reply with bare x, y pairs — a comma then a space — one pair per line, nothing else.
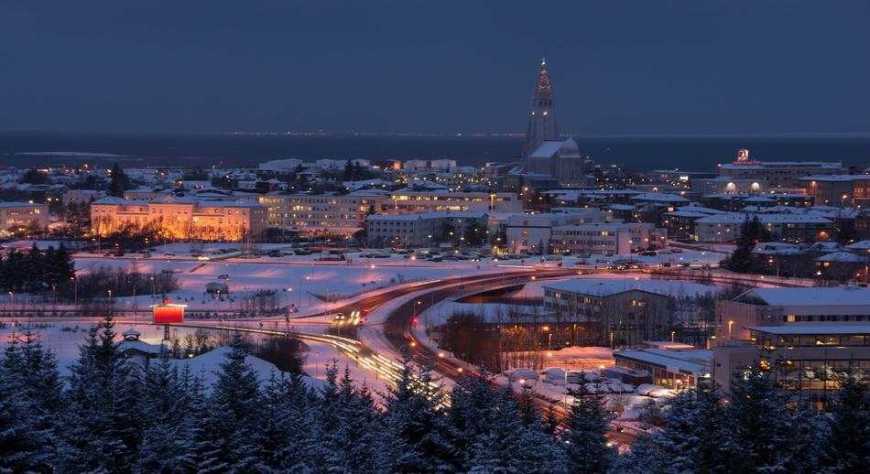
29, 148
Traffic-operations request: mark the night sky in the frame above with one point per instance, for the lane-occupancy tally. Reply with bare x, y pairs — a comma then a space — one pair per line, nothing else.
619, 67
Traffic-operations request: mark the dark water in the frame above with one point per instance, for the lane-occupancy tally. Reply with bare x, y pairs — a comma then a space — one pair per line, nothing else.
230, 150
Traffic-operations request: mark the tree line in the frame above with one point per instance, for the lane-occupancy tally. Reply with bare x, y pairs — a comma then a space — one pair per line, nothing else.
112, 415
35, 271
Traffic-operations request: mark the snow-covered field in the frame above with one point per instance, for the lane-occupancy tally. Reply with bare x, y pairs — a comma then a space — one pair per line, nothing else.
296, 279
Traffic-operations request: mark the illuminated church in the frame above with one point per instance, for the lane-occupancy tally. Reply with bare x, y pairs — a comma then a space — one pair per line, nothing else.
545, 152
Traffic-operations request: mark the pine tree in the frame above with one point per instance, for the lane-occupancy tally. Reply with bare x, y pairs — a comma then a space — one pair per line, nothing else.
26, 418
119, 181
695, 438
230, 434
587, 423
103, 413
416, 434
768, 435
848, 448
166, 435
351, 444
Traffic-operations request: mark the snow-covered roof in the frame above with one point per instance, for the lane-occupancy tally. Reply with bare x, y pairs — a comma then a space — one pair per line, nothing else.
837, 296
860, 245
659, 197
697, 362
20, 204
738, 218
814, 328
777, 248
140, 346
837, 177
612, 286
842, 257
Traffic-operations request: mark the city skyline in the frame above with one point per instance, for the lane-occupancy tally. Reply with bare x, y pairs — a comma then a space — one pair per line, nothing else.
713, 70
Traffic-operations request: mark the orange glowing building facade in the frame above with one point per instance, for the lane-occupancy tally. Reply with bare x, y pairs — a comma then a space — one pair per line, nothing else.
181, 219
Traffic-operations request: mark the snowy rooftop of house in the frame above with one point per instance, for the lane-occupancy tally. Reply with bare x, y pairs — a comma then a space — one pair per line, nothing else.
697, 362
837, 177
659, 197
608, 286
842, 257
738, 218
775, 164
140, 346
20, 204
814, 328
839, 296
777, 248
860, 245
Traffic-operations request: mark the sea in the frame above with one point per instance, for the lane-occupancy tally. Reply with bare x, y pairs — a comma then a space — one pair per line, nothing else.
37, 148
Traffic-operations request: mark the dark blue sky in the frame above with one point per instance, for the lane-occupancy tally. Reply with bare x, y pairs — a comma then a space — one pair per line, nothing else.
619, 67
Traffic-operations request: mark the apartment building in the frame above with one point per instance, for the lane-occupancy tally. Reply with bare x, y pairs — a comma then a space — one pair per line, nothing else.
613, 312
776, 175
22, 214
406, 201
422, 229
792, 227
330, 213
839, 190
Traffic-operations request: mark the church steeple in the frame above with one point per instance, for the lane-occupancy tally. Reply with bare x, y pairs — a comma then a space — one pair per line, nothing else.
542, 121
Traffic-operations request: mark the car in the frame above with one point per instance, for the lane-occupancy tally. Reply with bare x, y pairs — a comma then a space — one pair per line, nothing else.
223, 276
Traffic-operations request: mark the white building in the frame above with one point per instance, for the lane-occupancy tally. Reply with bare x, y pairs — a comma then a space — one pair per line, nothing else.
406, 201
342, 214
420, 230
726, 227
22, 214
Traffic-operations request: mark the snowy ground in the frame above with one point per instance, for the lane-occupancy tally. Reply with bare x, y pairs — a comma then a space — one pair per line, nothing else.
296, 279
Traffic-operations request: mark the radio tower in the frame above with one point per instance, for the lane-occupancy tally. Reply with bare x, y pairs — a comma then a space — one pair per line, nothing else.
542, 121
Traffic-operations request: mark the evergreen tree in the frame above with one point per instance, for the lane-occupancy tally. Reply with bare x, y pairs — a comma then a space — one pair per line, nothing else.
587, 423
166, 445
768, 435
752, 232
119, 181
230, 426
26, 416
694, 438
351, 444
102, 413
848, 448
416, 434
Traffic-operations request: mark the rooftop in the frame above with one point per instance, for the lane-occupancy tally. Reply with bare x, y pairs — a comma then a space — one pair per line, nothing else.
613, 286
697, 362
839, 296
814, 328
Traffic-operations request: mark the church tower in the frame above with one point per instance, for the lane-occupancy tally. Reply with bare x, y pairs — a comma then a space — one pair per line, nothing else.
542, 121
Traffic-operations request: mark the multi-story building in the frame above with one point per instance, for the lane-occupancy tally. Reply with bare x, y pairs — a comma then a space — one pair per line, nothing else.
406, 201
605, 238
792, 227
181, 219
811, 337
532, 232
22, 214
778, 175
614, 312
839, 190
422, 229
342, 214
